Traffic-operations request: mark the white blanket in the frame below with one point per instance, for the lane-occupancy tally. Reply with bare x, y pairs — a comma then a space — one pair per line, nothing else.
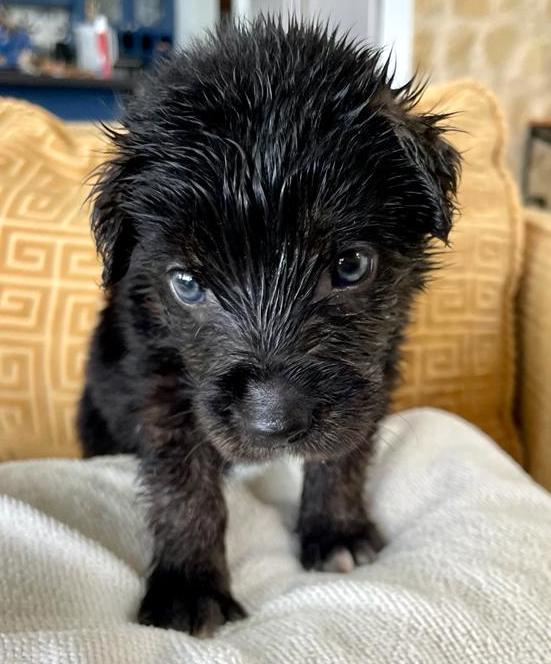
465, 576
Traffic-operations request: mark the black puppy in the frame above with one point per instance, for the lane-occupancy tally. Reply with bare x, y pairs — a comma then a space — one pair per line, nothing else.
264, 223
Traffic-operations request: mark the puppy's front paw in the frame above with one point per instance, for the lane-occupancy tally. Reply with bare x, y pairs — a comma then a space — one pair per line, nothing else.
339, 547
196, 606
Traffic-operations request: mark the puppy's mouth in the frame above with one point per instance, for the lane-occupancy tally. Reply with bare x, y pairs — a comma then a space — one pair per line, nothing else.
259, 418
246, 449
240, 444
275, 443
318, 442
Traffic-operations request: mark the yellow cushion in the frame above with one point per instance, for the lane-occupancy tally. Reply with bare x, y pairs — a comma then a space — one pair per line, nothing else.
49, 278
460, 349
535, 346
460, 353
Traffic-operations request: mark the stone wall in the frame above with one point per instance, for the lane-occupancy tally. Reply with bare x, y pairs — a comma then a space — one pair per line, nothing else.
505, 44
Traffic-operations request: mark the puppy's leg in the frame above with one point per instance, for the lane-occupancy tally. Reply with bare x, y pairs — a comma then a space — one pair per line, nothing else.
93, 430
335, 531
189, 586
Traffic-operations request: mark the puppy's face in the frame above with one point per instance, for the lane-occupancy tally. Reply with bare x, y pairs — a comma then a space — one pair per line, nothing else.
264, 227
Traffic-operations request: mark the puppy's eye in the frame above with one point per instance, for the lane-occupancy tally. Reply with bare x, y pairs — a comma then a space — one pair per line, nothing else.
353, 266
186, 288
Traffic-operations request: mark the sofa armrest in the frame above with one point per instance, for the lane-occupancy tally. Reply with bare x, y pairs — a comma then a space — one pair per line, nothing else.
534, 329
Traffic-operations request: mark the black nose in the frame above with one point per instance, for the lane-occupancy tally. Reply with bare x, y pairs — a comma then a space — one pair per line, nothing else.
274, 411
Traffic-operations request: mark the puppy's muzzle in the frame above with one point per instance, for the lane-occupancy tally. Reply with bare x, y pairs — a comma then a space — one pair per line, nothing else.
273, 413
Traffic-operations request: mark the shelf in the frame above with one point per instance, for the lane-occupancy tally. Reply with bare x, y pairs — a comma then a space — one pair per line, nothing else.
13, 78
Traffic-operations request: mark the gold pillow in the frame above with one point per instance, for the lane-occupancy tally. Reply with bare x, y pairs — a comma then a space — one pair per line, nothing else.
459, 354
535, 346
49, 278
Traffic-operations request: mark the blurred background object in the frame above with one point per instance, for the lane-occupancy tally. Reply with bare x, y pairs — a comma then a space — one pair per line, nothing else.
96, 46
505, 44
15, 44
384, 23
80, 58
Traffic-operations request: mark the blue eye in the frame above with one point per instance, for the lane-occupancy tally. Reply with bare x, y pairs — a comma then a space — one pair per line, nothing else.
353, 266
186, 288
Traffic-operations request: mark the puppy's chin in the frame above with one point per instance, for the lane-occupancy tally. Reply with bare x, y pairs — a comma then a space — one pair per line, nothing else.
312, 446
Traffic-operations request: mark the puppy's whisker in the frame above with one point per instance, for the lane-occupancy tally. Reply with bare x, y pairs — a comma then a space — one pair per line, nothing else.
201, 443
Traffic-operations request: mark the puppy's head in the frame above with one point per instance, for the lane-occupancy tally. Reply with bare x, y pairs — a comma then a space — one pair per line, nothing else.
264, 224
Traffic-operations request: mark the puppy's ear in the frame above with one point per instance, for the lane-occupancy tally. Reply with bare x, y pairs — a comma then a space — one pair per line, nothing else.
112, 227
437, 164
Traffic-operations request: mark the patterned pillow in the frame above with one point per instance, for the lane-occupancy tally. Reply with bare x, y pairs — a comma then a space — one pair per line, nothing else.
460, 353
460, 350
49, 278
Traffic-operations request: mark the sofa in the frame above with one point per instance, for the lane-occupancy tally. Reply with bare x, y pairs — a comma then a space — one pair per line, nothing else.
479, 341
465, 573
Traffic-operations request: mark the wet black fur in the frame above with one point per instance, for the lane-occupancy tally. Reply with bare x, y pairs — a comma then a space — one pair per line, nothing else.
252, 161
